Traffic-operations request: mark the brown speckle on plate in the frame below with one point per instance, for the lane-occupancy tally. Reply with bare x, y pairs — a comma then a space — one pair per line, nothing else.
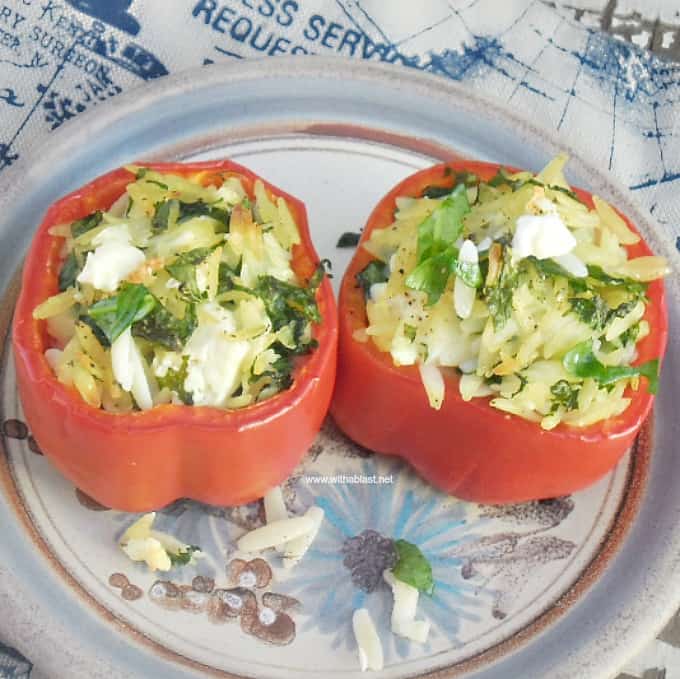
89, 502
131, 593
14, 429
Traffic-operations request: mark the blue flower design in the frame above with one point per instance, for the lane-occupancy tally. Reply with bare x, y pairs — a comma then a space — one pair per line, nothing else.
406, 509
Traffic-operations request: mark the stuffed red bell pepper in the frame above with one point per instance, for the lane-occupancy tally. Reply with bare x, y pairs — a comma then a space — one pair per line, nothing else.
499, 330
175, 335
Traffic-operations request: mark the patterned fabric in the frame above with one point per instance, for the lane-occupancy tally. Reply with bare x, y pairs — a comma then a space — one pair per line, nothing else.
580, 68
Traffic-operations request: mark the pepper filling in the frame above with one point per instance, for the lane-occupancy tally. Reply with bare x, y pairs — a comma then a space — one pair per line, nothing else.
519, 286
180, 293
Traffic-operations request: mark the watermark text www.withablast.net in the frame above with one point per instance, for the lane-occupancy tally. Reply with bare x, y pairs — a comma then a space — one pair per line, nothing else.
368, 479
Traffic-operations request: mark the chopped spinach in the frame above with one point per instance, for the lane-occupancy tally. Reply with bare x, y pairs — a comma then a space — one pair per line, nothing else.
436, 191
499, 296
162, 327
183, 557
565, 395
115, 314
437, 253
412, 567
157, 183
200, 209
582, 362
164, 213
349, 239
593, 311
286, 303
375, 272
410, 331
183, 269
174, 381
470, 273
69, 271
601, 276
630, 335
81, 226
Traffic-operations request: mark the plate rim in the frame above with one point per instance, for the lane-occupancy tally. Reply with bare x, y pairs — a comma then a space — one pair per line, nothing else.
337, 68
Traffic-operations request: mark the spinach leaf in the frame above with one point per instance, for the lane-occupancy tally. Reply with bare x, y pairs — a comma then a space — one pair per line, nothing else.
286, 303
183, 269
548, 267
115, 314
412, 567
593, 311
183, 557
499, 296
375, 272
81, 226
200, 209
582, 362
437, 253
410, 331
174, 381
69, 271
435, 191
162, 327
349, 239
599, 274
157, 183
564, 394
164, 213
470, 273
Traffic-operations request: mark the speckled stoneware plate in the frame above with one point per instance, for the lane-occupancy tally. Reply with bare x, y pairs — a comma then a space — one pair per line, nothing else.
563, 588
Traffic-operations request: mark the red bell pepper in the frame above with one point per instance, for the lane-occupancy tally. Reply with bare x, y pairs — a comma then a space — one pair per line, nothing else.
144, 460
470, 449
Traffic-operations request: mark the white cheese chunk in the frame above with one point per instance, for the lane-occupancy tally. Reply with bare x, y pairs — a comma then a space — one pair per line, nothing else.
297, 548
542, 236
572, 264
164, 361
274, 534
113, 259
368, 641
129, 369
403, 622
215, 358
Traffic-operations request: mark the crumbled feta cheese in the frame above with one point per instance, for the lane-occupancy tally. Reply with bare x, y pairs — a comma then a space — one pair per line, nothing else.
542, 236
368, 641
572, 264
215, 358
164, 361
113, 259
129, 369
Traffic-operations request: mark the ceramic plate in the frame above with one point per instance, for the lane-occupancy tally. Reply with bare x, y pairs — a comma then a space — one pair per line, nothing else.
568, 587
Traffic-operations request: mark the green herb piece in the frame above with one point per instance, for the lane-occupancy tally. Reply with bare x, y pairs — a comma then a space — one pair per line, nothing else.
593, 311
437, 253
162, 327
200, 209
115, 314
157, 183
184, 556
629, 335
81, 226
548, 267
432, 275
599, 274
165, 213
582, 362
499, 296
375, 272
349, 239
523, 381
96, 330
470, 273
174, 381
565, 395
436, 191
410, 331
623, 309
69, 272
183, 269
412, 567
286, 303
